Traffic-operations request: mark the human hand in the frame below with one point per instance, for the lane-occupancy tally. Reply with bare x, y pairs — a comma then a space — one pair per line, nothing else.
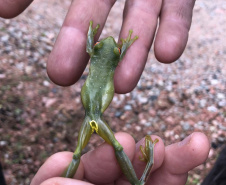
171, 163
68, 59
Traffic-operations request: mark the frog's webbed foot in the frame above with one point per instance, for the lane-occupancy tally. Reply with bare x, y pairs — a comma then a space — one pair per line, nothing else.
148, 156
90, 37
126, 43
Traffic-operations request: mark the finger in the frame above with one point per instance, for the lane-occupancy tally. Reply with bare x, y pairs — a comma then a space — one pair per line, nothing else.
139, 166
180, 158
172, 36
68, 58
101, 166
141, 16
10, 9
54, 167
64, 181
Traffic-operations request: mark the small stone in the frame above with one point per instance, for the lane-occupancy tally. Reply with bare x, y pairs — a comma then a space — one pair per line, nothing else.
212, 108
5, 38
46, 83
172, 98
170, 120
147, 124
142, 100
202, 103
3, 143
118, 114
28, 69
176, 136
221, 103
220, 96
20, 66
214, 82
127, 107
185, 125
138, 128
48, 101
2, 76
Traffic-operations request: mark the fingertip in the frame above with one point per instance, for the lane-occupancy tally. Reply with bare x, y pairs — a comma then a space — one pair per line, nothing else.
190, 152
60, 74
11, 9
54, 167
199, 147
168, 48
68, 58
63, 181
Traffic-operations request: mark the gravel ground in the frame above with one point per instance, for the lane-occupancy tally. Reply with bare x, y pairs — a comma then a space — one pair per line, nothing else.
38, 118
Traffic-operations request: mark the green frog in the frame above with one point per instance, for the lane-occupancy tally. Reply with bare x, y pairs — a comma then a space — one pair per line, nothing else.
97, 93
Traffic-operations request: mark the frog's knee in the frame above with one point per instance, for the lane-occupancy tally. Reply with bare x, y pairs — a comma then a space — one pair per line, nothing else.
76, 155
117, 146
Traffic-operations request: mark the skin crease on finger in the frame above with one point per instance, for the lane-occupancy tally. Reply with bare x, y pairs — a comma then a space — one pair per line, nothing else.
12, 8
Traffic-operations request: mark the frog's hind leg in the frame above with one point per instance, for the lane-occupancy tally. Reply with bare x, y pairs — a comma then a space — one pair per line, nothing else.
106, 133
148, 157
83, 138
148, 154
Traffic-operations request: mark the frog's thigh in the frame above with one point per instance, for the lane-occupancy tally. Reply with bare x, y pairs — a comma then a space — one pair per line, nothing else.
84, 136
106, 133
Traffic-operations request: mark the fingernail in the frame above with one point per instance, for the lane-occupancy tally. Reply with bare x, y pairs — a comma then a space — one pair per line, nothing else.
185, 141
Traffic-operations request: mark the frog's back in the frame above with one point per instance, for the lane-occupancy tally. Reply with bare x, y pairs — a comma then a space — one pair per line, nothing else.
99, 88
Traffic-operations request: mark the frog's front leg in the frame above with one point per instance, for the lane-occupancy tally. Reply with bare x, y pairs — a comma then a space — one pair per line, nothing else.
83, 138
90, 37
126, 43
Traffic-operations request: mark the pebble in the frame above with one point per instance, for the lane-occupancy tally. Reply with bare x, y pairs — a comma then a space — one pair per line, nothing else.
214, 82
142, 100
185, 125
128, 107
2, 76
221, 103
138, 128
203, 103
118, 114
3, 143
28, 69
46, 83
212, 109
5, 38
220, 96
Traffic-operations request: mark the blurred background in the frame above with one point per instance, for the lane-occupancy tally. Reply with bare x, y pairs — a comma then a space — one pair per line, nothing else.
39, 118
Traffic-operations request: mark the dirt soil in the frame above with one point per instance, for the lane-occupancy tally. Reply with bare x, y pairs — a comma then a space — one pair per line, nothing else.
39, 118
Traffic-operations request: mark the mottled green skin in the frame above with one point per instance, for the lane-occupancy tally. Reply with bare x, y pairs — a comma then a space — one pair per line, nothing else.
97, 94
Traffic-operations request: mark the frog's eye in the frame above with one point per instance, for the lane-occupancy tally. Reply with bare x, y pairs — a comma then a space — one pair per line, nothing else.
117, 51
98, 45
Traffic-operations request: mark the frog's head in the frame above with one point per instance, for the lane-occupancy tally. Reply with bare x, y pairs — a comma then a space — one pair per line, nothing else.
107, 50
